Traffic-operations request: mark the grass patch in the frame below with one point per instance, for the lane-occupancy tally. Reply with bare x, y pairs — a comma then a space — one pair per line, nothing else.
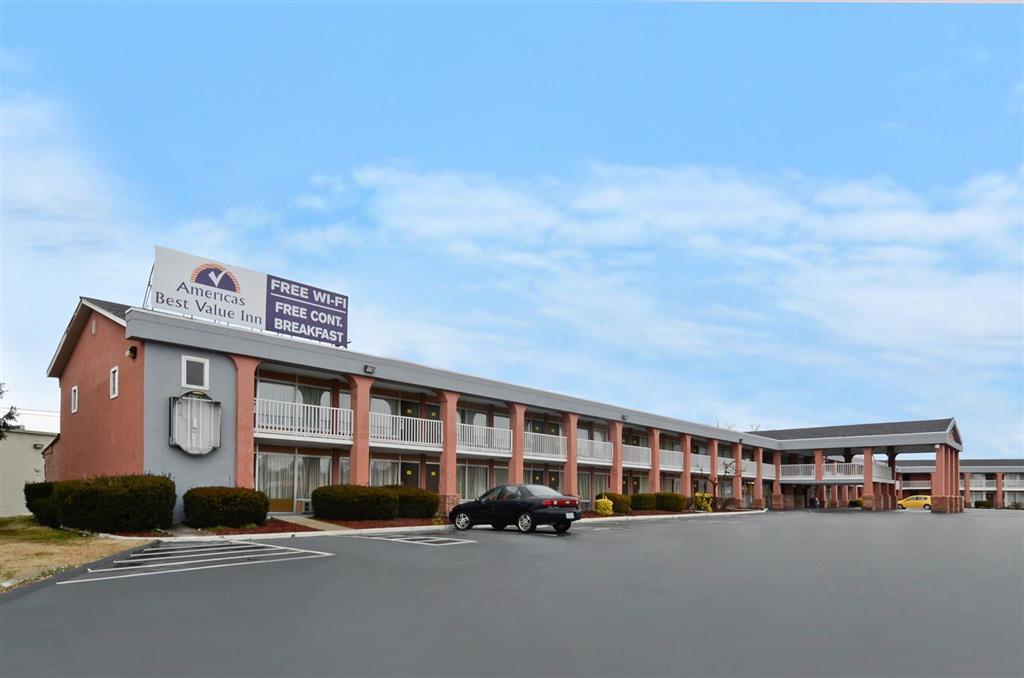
30, 551
26, 529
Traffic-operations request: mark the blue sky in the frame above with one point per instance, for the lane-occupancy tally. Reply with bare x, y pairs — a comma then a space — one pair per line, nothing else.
748, 215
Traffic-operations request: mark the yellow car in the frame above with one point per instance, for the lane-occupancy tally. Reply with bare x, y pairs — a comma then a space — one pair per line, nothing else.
921, 501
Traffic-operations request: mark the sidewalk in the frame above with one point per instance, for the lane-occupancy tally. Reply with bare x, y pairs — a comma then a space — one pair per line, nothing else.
332, 530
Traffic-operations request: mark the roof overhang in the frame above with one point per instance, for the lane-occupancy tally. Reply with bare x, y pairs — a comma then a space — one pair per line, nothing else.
171, 329
67, 342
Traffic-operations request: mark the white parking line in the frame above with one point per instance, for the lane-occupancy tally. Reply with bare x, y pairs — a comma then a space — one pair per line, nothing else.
161, 560
422, 541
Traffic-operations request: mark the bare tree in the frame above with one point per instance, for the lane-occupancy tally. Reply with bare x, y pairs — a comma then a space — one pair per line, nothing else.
704, 467
8, 419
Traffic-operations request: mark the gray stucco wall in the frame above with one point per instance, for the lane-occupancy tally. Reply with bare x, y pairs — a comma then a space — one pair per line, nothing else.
163, 380
20, 463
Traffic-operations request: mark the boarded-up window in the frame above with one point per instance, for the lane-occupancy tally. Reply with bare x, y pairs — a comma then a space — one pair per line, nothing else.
195, 424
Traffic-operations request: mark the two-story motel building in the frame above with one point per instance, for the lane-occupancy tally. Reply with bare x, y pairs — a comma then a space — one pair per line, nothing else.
212, 404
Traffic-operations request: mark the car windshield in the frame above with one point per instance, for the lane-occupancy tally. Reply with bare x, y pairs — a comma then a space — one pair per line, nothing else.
542, 491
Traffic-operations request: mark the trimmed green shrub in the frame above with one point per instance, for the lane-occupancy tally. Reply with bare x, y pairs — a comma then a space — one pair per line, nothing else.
620, 502
225, 507
856, 503
983, 503
114, 503
415, 503
643, 502
37, 499
355, 502
669, 501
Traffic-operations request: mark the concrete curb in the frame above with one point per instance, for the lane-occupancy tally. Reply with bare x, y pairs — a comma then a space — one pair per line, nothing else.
415, 528
674, 516
290, 535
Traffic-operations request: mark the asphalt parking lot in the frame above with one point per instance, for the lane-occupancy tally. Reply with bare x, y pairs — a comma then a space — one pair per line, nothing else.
776, 594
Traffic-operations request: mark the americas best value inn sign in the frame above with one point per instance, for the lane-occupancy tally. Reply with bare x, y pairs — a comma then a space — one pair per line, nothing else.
198, 287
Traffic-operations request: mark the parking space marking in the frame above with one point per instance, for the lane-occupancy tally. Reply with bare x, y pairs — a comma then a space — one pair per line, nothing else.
413, 539
180, 558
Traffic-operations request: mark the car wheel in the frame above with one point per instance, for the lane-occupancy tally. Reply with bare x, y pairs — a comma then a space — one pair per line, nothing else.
525, 522
498, 526
927, 507
562, 526
461, 521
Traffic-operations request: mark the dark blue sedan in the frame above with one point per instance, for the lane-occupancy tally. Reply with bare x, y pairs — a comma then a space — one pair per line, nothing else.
525, 506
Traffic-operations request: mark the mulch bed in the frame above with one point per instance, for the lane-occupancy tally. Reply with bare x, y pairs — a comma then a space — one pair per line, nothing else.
143, 533
372, 524
271, 526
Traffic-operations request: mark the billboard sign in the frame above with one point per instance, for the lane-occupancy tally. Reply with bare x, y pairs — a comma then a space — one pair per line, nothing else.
190, 285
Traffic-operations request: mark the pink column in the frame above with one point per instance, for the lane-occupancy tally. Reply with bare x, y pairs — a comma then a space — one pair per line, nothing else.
569, 422
737, 475
869, 479
759, 482
967, 488
447, 485
819, 475
844, 496
654, 476
359, 457
999, 490
778, 502
245, 420
939, 480
615, 433
687, 464
713, 472
517, 419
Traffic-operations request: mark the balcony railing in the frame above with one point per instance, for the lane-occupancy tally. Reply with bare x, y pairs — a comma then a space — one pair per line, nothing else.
671, 460
594, 451
835, 471
1011, 484
634, 455
916, 484
412, 432
544, 446
297, 420
485, 440
700, 464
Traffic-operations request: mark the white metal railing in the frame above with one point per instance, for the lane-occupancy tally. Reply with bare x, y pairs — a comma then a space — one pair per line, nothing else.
798, 471
634, 455
726, 465
916, 485
1011, 484
594, 451
749, 468
400, 431
768, 471
700, 464
842, 469
485, 440
300, 420
544, 446
982, 484
670, 460
880, 471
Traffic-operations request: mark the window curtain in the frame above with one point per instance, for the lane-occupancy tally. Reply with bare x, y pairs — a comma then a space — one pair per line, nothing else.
500, 475
314, 472
275, 475
344, 470
383, 473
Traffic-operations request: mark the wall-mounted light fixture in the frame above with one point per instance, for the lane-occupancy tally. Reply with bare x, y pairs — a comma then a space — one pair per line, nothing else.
369, 369
132, 352
624, 417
